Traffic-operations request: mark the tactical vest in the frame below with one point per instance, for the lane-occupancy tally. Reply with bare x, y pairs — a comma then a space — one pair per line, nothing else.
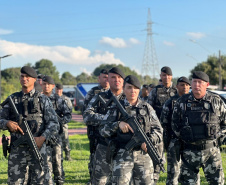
143, 116
200, 121
31, 110
54, 100
102, 110
161, 97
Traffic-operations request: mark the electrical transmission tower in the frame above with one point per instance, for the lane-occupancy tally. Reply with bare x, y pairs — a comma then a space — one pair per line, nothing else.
150, 61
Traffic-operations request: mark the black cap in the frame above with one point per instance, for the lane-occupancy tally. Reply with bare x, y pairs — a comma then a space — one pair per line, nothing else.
29, 71
131, 79
166, 70
38, 87
118, 71
104, 71
40, 76
151, 85
59, 86
48, 79
145, 86
183, 79
200, 75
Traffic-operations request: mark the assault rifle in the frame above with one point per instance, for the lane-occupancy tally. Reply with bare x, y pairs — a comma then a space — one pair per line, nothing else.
139, 135
27, 137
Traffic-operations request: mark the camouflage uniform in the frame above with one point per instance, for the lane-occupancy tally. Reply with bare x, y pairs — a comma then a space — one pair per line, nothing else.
156, 99
93, 115
91, 130
198, 124
132, 166
65, 137
55, 153
42, 121
170, 142
144, 98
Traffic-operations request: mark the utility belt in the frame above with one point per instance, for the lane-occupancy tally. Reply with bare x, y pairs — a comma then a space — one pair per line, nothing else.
204, 146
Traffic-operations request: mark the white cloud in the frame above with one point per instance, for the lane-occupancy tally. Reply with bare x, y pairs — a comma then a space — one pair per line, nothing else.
134, 41
168, 43
84, 70
115, 43
196, 35
5, 32
60, 54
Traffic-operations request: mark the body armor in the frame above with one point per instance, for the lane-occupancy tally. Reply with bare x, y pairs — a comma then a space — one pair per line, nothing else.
102, 110
142, 114
30, 109
200, 121
161, 96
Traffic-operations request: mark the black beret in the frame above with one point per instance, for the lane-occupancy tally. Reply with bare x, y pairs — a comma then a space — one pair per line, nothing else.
200, 75
48, 79
167, 70
151, 85
131, 79
29, 71
59, 86
40, 76
183, 79
118, 71
145, 86
38, 87
104, 71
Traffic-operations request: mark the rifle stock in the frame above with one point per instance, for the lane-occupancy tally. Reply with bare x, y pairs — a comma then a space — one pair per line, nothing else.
27, 137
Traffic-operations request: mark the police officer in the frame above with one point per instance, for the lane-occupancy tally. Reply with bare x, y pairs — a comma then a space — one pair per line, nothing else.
136, 165
65, 137
39, 78
199, 121
91, 130
171, 142
64, 116
144, 92
157, 98
93, 115
150, 87
42, 120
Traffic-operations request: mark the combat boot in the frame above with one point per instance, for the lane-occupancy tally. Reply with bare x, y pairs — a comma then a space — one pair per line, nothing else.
67, 156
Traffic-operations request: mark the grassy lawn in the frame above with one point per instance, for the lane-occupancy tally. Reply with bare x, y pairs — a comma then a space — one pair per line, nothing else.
75, 124
77, 170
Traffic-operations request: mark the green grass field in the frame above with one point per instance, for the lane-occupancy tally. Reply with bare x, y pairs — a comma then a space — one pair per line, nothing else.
77, 170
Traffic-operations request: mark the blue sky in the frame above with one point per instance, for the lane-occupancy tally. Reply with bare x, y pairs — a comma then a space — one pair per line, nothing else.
78, 36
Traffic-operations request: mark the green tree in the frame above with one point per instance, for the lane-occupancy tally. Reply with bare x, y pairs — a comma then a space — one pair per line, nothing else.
68, 79
85, 78
211, 67
46, 67
9, 87
11, 73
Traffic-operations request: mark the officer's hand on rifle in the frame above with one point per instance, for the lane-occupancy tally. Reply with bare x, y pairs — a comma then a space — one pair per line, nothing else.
14, 127
39, 141
144, 147
125, 127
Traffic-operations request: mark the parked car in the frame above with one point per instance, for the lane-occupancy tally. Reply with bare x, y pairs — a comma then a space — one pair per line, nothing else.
81, 89
222, 94
69, 91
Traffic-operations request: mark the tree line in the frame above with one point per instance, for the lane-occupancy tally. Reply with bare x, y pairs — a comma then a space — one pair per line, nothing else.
10, 77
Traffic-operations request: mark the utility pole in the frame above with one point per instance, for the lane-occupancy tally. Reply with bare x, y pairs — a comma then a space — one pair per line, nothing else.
220, 75
1, 75
150, 61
